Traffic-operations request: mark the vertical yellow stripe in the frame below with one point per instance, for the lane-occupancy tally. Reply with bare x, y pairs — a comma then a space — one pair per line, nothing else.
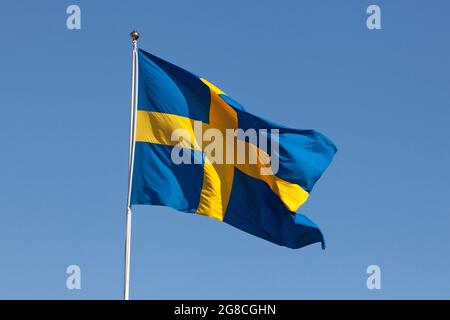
218, 178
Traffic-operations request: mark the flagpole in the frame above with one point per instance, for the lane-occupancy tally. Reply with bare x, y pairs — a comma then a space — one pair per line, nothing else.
133, 109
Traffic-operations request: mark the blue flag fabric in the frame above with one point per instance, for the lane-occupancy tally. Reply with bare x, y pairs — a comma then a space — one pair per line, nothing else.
252, 196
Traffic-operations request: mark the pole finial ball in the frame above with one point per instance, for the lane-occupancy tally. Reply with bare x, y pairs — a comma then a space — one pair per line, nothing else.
134, 35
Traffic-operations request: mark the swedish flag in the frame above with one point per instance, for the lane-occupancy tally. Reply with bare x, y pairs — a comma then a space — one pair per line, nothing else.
236, 192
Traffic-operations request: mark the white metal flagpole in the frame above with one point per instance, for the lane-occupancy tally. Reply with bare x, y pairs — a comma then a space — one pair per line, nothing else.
133, 110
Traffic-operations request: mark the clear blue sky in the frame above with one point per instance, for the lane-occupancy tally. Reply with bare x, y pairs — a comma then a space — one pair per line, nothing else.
382, 96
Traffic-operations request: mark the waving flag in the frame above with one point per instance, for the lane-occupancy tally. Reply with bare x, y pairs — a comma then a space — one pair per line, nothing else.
178, 113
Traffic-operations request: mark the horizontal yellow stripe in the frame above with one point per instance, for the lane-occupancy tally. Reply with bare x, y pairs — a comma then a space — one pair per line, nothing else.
156, 127
160, 128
